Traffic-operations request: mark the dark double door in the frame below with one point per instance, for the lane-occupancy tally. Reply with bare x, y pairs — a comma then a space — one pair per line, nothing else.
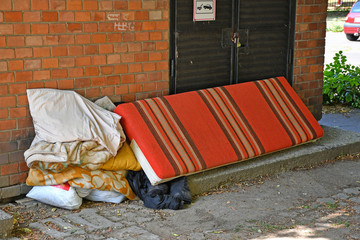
249, 40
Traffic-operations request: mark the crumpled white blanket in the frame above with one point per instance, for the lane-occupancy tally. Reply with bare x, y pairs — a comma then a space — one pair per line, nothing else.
65, 116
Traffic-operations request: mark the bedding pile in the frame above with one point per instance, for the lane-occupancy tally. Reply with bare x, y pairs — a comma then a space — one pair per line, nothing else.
77, 143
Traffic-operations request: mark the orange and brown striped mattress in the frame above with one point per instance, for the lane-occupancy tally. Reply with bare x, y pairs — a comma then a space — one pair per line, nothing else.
190, 132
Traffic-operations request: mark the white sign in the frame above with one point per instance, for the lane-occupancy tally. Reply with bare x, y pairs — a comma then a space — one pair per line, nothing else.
204, 10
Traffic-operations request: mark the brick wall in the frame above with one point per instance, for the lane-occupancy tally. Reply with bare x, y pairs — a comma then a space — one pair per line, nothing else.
309, 52
98, 48
115, 48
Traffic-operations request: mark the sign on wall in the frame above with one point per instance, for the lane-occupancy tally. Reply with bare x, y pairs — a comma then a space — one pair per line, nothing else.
204, 10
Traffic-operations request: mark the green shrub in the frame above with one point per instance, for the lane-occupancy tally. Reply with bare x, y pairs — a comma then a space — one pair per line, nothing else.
341, 82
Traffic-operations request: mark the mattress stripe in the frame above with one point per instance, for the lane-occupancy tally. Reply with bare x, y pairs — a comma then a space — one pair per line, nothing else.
171, 135
195, 151
275, 111
288, 113
239, 133
221, 124
162, 143
245, 123
298, 111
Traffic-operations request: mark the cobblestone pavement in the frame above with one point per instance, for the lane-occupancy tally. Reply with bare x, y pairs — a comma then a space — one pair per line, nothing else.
318, 203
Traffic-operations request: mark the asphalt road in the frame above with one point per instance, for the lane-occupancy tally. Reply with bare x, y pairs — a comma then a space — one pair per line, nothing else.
336, 41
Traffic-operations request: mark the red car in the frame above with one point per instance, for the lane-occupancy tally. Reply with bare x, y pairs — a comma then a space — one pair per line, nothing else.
352, 23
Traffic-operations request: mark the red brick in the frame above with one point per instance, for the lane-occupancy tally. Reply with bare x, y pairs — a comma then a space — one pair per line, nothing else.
66, 39
91, 50
74, 5
121, 5
23, 53
148, 46
7, 53
66, 16
23, 76
9, 169
142, 57
75, 50
33, 40
107, 91
112, 59
98, 81
18, 112
21, 29
142, 36
122, 89
134, 5
82, 83
32, 64
40, 28
113, 80
162, 66
7, 101
99, 38
162, 25
16, 65
149, 5
98, 16
106, 48
90, 5
114, 37
128, 16
58, 51
155, 56
17, 178
83, 61
148, 26
128, 37
156, 76
162, 45
58, 28
92, 92
6, 29
58, 73
123, 47
2, 41
99, 60
22, 100
106, 5
149, 67
7, 77
4, 114
136, 67
51, 40
75, 27
127, 58
31, 85
142, 15
42, 52
75, 72
13, 16
106, 27
31, 16
90, 27
42, 75
50, 63
106, 70
66, 84
66, 62
7, 124
49, 16
5, 5
23, 167
120, 69
3, 68
40, 5
15, 41
57, 5
82, 16
126, 79
91, 71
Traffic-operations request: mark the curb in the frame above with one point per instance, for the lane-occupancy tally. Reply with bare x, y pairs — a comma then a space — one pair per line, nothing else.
334, 143
6, 223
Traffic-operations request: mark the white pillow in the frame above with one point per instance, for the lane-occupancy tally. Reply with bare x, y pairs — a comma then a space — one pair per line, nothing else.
66, 116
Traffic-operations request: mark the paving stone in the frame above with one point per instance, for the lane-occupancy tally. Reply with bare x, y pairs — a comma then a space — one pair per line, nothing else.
66, 228
355, 199
6, 223
352, 190
357, 209
340, 196
135, 232
325, 200
90, 219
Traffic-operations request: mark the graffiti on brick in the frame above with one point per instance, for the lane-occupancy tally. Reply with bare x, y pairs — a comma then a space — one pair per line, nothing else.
124, 26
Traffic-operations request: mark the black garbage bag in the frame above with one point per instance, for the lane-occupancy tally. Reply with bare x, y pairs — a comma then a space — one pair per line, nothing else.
170, 195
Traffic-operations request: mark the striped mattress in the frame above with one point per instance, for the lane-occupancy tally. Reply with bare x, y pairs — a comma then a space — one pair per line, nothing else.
186, 133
